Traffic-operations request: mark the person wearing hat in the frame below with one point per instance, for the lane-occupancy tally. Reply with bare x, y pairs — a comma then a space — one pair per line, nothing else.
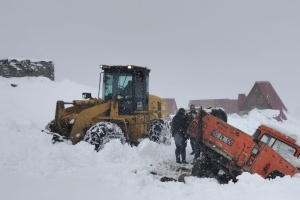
179, 128
192, 114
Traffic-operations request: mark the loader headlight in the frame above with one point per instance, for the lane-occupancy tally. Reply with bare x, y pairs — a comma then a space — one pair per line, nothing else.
120, 97
102, 66
129, 67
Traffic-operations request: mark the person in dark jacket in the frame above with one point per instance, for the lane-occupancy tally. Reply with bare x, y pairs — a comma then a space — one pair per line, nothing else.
179, 128
192, 114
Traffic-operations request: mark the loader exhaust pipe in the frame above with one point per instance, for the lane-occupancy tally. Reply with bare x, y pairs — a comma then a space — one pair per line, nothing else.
100, 79
68, 103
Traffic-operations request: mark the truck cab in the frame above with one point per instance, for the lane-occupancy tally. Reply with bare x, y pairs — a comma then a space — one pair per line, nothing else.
284, 145
267, 152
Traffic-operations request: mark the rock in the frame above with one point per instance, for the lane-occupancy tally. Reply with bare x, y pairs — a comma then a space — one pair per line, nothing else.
26, 68
167, 179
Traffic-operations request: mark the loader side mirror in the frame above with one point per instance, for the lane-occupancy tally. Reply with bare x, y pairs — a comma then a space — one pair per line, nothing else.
86, 95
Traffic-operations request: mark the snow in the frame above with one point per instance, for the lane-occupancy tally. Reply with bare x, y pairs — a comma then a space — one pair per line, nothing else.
31, 167
14, 66
24, 58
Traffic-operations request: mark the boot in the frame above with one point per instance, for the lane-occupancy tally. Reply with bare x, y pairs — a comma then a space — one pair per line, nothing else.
183, 158
177, 154
193, 146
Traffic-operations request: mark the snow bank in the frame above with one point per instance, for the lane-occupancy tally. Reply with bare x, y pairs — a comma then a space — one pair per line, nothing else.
31, 167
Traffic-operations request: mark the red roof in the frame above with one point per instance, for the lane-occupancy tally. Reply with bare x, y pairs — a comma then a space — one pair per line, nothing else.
263, 96
271, 95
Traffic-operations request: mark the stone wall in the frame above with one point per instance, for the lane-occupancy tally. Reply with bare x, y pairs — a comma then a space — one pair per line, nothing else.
26, 67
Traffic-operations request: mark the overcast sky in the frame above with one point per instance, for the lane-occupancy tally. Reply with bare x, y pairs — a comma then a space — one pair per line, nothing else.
195, 49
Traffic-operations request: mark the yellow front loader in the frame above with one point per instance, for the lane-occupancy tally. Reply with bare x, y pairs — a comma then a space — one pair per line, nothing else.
126, 111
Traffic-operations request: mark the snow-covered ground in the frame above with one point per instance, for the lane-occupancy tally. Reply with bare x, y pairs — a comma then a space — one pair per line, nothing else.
31, 167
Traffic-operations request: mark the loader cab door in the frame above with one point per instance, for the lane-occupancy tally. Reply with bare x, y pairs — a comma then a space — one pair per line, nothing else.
141, 90
128, 87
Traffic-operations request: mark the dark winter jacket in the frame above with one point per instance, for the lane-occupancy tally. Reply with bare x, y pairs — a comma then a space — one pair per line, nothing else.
180, 124
191, 115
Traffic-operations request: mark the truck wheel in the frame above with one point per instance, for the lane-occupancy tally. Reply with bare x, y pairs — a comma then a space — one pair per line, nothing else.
159, 131
199, 169
204, 168
275, 174
224, 179
219, 113
103, 132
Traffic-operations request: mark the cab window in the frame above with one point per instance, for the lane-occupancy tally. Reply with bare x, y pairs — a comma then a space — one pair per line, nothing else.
280, 147
116, 83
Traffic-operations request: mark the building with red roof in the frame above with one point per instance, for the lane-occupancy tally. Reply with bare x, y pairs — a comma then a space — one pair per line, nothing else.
263, 96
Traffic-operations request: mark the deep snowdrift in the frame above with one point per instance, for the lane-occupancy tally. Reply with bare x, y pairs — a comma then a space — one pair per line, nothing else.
31, 167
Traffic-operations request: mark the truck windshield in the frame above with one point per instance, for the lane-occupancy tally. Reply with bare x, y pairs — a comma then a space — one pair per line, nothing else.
280, 147
116, 83
285, 150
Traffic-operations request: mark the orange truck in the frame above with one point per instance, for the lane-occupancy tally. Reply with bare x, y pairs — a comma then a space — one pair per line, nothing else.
226, 151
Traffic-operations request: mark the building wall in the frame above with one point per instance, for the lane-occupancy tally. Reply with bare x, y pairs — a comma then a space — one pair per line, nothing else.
24, 68
171, 105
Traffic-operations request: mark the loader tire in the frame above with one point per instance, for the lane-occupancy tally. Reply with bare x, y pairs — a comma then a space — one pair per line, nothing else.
159, 131
219, 113
103, 132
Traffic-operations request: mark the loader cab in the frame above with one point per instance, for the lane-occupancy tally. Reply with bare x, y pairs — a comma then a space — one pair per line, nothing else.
129, 85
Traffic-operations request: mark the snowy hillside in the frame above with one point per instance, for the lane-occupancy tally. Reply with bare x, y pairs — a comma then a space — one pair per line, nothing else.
32, 168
